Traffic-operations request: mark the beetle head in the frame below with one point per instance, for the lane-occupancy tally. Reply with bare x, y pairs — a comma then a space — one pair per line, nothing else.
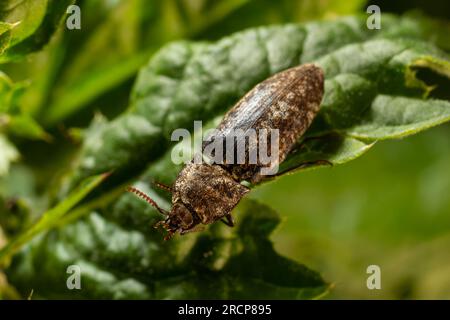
180, 219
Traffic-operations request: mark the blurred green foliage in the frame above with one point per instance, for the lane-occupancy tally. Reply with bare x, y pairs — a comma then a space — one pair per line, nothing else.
388, 208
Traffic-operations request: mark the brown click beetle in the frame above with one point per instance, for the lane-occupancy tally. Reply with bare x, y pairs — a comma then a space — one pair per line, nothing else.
206, 192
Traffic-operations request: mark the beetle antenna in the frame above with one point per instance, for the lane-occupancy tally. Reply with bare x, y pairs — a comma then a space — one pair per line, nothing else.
163, 186
147, 198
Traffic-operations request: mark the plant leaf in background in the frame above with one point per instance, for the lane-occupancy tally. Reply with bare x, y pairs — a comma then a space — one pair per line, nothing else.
8, 154
211, 267
5, 35
36, 21
123, 257
86, 78
188, 81
76, 77
50, 218
6, 93
25, 26
13, 120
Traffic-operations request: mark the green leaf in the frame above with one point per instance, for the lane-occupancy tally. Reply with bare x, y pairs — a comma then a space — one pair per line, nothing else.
27, 127
13, 120
6, 92
395, 117
50, 218
187, 81
84, 78
35, 22
334, 148
28, 14
219, 263
17, 191
5, 35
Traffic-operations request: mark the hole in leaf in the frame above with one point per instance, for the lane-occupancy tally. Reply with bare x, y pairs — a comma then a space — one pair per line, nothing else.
439, 82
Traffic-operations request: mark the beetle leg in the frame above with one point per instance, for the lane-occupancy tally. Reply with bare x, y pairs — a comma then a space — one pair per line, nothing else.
306, 165
228, 220
194, 229
301, 145
169, 235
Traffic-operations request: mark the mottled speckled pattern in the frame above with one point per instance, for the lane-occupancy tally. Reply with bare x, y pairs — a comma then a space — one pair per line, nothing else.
287, 101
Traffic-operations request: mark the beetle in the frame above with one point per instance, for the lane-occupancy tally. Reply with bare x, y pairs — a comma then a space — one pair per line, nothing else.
204, 193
